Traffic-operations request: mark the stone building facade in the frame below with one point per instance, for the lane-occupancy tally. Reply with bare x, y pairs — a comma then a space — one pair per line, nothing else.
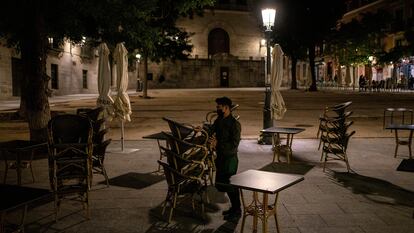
227, 52
73, 70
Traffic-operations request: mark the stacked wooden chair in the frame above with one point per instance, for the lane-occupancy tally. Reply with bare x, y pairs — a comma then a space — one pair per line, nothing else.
180, 185
70, 157
185, 136
99, 142
334, 133
185, 172
188, 164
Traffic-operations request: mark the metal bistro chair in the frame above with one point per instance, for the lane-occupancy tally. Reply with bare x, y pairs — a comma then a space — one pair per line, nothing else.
333, 135
99, 148
180, 130
186, 165
180, 185
336, 149
335, 121
70, 155
98, 158
193, 152
212, 115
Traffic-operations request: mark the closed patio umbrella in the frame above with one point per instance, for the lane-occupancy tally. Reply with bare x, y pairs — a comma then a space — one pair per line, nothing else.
104, 82
277, 103
122, 105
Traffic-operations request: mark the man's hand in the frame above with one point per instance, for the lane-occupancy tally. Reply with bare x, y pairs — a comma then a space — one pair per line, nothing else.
213, 142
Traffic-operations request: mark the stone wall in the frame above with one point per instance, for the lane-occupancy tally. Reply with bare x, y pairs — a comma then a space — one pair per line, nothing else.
205, 73
242, 27
70, 60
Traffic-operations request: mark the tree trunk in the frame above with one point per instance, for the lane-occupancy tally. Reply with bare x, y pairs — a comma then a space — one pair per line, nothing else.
294, 84
312, 67
35, 82
145, 79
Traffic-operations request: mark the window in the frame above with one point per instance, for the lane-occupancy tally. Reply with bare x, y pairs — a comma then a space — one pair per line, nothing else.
85, 79
218, 42
54, 76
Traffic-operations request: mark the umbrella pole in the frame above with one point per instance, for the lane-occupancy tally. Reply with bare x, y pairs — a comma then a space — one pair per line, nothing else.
122, 135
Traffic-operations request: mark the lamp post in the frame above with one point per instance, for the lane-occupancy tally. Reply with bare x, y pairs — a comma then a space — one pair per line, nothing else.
139, 88
268, 17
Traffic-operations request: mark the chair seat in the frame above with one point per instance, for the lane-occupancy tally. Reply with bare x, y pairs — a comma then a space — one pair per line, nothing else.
23, 164
333, 150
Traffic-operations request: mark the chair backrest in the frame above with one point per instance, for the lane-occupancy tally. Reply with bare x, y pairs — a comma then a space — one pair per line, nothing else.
171, 175
69, 129
94, 114
99, 136
70, 152
178, 130
177, 145
212, 115
341, 105
100, 149
346, 139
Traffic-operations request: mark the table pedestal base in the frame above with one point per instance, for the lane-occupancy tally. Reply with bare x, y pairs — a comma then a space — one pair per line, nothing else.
259, 210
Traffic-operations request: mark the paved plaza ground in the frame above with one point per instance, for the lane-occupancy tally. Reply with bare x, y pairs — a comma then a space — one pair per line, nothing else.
374, 197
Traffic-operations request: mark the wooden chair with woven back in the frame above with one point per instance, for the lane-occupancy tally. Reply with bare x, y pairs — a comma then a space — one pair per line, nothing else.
70, 158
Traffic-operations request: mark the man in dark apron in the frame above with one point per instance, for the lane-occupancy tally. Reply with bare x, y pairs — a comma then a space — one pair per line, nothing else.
226, 139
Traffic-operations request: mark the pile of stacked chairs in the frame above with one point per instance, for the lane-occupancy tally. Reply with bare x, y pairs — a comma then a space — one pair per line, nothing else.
98, 138
189, 164
334, 133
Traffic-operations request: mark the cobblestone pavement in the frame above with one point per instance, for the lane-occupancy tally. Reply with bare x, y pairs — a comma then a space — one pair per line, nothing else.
375, 197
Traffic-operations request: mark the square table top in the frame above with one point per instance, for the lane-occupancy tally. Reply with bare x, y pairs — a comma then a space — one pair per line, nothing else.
15, 196
400, 126
284, 130
21, 145
265, 182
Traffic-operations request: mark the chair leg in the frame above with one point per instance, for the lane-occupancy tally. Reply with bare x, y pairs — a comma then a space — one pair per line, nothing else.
57, 204
324, 163
165, 202
192, 202
87, 205
5, 173
346, 161
105, 175
396, 143
243, 222
320, 143
31, 170
172, 207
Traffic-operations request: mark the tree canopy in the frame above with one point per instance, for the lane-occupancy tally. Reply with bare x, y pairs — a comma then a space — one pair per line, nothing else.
147, 25
305, 24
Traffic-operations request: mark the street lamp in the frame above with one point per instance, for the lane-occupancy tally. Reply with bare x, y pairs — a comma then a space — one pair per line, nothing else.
268, 17
138, 57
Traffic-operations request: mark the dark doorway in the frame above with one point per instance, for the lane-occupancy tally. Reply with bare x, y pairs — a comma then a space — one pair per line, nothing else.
224, 76
218, 42
17, 76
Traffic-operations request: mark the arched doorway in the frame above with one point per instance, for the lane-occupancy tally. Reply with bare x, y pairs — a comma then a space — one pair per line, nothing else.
218, 42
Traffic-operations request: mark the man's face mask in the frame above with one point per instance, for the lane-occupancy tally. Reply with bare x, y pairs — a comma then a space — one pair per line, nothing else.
220, 112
